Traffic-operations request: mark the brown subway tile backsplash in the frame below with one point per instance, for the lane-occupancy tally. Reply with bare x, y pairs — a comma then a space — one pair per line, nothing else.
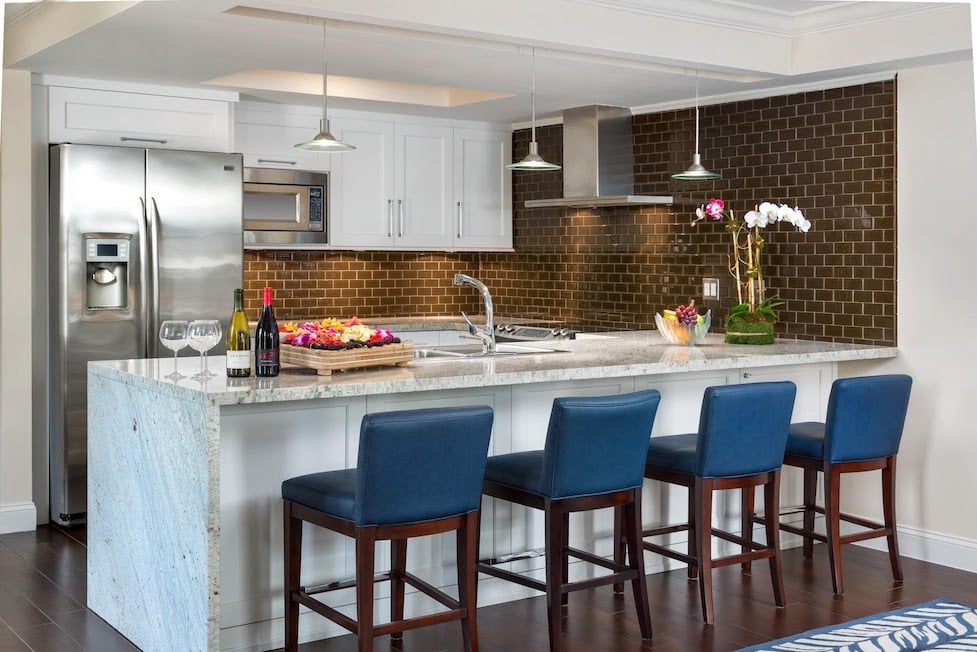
831, 153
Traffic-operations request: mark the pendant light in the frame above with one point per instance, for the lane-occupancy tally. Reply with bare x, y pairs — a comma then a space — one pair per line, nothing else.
696, 171
324, 141
533, 160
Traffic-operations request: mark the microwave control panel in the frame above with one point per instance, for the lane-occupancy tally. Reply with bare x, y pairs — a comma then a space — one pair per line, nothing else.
316, 208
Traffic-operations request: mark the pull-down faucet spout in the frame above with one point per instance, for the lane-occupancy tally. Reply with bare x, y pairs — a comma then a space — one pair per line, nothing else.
487, 334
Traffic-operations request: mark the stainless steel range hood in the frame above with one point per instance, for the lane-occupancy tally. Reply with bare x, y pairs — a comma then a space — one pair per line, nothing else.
598, 160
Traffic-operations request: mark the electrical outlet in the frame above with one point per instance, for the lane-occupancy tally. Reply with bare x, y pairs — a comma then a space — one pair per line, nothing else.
710, 288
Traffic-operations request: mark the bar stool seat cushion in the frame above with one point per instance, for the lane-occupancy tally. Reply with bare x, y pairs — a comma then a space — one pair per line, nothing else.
520, 470
332, 492
675, 452
806, 439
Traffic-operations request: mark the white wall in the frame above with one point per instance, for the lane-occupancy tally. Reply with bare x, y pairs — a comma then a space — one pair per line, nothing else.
17, 511
937, 305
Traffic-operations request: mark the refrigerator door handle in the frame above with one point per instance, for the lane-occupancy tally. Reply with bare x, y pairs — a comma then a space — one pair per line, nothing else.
153, 325
144, 270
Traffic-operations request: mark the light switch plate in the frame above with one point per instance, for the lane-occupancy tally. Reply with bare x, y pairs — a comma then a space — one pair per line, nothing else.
710, 288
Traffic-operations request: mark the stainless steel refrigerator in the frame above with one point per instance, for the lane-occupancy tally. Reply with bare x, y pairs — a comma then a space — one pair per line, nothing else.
137, 236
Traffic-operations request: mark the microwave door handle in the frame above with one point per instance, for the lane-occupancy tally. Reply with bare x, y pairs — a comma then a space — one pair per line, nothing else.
144, 267
154, 279
390, 218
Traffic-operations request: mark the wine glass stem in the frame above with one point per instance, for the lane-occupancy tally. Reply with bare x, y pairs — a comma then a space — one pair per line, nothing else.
201, 363
205, 369
175, 353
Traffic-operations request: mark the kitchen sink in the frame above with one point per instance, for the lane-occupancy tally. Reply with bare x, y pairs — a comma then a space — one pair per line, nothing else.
474, 351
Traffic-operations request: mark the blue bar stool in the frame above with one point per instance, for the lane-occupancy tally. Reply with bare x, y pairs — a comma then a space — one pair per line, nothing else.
419, 472
862, 432
740, 445
593, 458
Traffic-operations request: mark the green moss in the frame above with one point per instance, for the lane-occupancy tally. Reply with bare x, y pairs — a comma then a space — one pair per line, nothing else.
749, 328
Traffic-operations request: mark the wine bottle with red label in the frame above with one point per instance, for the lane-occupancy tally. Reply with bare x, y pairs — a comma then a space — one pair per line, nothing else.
266, 345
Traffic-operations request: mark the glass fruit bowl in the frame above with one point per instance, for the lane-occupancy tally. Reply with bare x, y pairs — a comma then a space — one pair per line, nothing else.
678, 333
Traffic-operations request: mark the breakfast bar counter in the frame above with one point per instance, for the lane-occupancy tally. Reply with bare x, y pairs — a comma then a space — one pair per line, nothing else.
184, 509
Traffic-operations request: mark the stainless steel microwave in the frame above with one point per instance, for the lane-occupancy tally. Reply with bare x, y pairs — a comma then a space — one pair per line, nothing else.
284, 207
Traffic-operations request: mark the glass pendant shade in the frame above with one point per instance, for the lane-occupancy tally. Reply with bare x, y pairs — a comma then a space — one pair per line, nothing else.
696, 171
324, 141
533, 161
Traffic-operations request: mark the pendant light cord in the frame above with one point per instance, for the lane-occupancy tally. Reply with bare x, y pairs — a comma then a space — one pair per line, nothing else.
696, 111
324, 75
534, 93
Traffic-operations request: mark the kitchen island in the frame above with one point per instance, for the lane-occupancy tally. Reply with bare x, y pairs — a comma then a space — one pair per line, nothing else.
184, 509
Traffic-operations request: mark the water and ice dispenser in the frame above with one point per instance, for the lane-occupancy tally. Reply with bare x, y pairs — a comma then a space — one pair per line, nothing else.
107, 270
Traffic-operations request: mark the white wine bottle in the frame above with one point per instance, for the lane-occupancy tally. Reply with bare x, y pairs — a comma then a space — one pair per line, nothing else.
238, 340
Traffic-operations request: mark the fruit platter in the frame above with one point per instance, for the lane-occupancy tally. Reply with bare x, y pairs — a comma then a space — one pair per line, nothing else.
684, 325
332, 345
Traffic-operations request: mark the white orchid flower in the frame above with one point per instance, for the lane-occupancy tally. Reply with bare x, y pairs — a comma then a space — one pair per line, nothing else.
755, 218
803, 225
785, 214
700, 214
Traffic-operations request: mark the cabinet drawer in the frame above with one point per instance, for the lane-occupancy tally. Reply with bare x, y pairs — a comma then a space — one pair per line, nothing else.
272, 146
81, 115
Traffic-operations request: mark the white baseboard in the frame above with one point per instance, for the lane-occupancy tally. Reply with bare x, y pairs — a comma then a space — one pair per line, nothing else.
933, 547
19, 517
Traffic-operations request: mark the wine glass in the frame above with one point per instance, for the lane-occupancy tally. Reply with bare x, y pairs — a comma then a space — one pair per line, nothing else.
204, 335
174, 336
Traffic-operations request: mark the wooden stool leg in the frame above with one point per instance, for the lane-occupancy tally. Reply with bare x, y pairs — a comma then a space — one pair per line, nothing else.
703, 544
293, 575
554, 571
467, 559
810, 499
398, 566
771, 511
832, 523
639, 585
889, 515
692, 516
620, 544
747, 505
365, 570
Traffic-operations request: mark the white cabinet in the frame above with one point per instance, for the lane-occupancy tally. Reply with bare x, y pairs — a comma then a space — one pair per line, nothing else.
420, 186
394, 189
267, 138
483, 189
361, 188
105, 117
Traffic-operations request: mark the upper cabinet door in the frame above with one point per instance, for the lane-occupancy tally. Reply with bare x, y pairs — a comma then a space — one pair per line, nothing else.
362, 208
99, 117
423, 186
483, 189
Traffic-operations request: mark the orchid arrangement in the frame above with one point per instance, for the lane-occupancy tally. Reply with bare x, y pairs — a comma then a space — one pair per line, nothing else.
748, 243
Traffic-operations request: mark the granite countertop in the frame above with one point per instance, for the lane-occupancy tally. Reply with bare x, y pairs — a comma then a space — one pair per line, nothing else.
626, 353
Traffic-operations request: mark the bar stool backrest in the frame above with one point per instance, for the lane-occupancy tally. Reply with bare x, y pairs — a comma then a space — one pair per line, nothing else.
743, 429
421, 465
865, 417
598, 445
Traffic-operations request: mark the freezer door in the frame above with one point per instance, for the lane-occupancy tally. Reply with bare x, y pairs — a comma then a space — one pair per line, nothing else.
96, 191
194, 203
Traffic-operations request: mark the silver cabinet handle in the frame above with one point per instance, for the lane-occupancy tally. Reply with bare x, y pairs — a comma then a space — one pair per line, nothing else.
272, 160
400, 211
461, 221
390, 218
126, 139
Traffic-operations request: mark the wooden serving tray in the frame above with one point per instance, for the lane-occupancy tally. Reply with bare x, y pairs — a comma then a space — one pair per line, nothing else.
325, 362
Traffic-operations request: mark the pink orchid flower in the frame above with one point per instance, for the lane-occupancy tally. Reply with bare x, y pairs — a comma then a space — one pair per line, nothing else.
714, 208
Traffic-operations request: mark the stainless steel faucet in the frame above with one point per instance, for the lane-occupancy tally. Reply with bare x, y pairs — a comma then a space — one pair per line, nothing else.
487, 334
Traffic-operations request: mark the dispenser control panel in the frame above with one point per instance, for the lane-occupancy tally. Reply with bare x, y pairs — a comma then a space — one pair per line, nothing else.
106, 250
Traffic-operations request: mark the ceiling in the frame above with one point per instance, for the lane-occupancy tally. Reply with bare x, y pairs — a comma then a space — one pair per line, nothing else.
636, 53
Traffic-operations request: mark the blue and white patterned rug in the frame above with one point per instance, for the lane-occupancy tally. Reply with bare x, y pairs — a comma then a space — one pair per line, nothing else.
937, 625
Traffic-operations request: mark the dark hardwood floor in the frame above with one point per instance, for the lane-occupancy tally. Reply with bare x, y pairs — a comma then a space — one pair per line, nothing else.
42, 605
